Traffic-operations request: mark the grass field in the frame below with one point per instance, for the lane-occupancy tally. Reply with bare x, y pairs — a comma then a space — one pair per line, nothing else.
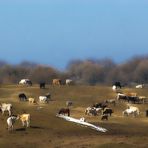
48, 131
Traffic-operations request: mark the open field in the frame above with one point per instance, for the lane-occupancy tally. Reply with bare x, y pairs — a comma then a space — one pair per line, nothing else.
48, 131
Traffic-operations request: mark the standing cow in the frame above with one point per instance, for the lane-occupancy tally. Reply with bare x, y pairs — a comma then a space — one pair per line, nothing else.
22, 97
42, 85
69, 82
56, 82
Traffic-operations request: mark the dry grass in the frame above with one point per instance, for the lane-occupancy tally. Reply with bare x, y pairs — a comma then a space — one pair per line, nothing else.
49, 131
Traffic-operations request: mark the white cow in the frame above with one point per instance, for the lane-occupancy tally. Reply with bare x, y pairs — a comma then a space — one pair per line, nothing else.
131, 110
31, 100
139, 86
6, 107
25, 81
43, 99
114, 88
69, 82
25, 119
93, 111
10, 122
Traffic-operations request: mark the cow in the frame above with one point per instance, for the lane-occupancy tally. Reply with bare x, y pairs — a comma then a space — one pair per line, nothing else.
64, 111
25, 82
6, 107
69, 103
69, 82
90, 111
117, 84
25, 119
44, 99
10, 121
22, 97
104, 117
93, 111
142, 99
56, 82
129, 111
134, 109
31, 100
42, 85
107, 111
111, 101
121, 96
100, 105
139, 86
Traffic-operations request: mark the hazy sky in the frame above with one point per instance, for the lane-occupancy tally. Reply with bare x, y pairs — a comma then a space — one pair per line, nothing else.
55, 31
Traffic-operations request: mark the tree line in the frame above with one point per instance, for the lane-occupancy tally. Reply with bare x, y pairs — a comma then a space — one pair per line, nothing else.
88, 71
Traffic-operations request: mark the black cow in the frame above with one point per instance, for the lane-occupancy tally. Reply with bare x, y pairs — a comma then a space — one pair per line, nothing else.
107, 111
42, 85
133, 99
104, 117
100, 105
117, 84
22, 97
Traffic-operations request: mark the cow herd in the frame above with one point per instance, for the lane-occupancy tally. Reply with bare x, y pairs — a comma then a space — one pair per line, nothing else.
102, 109
55, 82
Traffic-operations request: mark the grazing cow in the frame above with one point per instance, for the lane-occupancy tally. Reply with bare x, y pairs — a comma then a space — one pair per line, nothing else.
25, 119
56, 82
121, 96
104, 117
134, 109
91, 111
111, 101
64, 111
100, 105
69, 82
129, 97
10, 122
69, 103
22, 97
44, 99
31, 100
6, 107
142, 99
133, 99
129, 111
139, 86
42, 85
107, 111
25, 82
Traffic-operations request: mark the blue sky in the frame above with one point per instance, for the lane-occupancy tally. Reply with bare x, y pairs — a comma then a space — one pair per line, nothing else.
54, 32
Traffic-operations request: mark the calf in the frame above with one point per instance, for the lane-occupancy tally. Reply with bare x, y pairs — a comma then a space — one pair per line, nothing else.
25, 119
31, 100
44, 99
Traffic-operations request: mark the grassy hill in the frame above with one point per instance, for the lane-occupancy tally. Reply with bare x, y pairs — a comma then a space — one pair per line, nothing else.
49, 131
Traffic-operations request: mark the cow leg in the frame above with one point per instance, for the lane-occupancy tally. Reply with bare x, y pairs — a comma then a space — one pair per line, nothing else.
9, 113
23, 123
28, 123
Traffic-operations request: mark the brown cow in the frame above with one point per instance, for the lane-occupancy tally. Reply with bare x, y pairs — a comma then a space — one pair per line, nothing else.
56, 81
